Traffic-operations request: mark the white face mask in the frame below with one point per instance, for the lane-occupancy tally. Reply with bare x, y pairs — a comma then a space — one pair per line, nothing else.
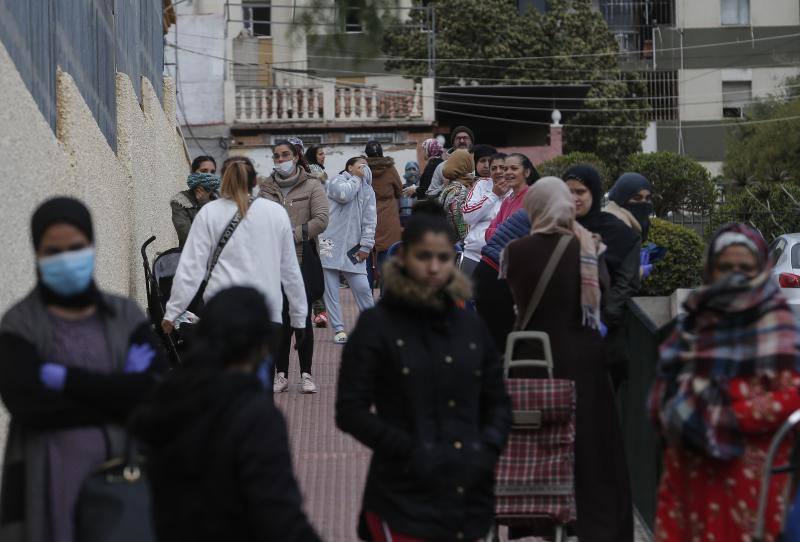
285, 168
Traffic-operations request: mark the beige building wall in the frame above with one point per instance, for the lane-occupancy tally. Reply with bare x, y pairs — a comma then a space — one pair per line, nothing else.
128, 192
708, 13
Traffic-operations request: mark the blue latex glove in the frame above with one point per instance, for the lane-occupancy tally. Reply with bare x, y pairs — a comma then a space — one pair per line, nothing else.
264, 373
53, 376
603, 330
140, 356
646, 270
644, 256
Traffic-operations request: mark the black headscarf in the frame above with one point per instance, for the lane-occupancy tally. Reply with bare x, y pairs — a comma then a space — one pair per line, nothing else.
482, 151
627, 186
619, 238
70, 211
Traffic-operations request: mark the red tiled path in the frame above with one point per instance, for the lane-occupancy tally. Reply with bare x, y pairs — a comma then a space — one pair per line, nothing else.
330, 466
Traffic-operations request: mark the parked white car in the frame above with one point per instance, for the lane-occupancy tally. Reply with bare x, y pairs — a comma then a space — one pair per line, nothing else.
785, 252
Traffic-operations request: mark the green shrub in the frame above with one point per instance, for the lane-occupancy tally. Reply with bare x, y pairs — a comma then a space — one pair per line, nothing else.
680, 183
771, 208
556, 167
682, 267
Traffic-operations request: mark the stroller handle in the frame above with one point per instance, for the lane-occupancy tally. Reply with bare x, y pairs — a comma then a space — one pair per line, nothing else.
145, 245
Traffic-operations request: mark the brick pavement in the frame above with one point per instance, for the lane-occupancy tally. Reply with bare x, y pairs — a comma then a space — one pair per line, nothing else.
330, 466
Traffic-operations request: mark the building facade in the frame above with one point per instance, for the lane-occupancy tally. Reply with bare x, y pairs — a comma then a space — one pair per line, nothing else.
251, 73
705, 62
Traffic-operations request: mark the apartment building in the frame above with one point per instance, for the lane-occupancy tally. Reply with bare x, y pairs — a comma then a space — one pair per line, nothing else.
250, 73
705, 61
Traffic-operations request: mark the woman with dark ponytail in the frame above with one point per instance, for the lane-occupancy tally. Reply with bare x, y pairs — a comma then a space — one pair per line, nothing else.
218, 451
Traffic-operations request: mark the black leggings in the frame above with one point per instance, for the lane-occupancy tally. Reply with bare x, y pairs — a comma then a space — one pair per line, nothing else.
306, 349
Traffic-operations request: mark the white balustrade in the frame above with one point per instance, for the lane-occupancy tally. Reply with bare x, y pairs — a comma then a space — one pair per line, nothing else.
330, 102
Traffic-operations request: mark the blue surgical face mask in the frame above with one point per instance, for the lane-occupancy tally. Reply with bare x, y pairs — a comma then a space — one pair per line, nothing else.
68, 273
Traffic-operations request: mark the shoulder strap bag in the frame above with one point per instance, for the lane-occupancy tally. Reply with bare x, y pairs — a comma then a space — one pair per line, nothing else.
197, 300
536, 298
311, 268
114, 504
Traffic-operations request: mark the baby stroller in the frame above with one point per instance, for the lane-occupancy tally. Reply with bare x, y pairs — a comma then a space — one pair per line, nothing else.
789, 533
535, 475
158, 283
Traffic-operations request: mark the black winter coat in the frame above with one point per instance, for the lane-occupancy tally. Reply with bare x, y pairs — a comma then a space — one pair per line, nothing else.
219, 463
442, 414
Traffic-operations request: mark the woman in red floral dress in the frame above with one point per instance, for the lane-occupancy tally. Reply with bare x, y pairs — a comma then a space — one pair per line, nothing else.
727, 379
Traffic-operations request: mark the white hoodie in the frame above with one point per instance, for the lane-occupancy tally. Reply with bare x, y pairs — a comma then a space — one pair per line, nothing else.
260, 254
480, 208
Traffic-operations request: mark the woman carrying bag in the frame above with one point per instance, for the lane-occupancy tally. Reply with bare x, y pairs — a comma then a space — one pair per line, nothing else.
307, 205
249, 242
569, 312
74, 362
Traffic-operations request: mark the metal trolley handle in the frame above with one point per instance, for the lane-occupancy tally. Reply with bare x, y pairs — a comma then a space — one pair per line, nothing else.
788, 425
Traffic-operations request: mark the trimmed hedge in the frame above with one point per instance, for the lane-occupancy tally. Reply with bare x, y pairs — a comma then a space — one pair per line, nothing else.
682, 267
556, 167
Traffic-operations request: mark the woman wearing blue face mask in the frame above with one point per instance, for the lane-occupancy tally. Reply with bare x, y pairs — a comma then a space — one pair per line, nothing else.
218, 450
74, 362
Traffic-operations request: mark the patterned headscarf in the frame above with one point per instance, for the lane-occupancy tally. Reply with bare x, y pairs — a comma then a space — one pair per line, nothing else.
551, 210
734, 327
209, 181
432, 148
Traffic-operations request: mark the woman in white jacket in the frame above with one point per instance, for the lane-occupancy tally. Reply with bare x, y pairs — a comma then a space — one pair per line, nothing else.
260, 253
345, 246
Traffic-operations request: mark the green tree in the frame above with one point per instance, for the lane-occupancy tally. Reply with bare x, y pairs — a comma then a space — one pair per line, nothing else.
568, 44
556, 167
771, 208
681, 183
769, 151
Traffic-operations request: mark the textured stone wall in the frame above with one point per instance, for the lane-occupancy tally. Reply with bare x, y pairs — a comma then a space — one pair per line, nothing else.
128, 191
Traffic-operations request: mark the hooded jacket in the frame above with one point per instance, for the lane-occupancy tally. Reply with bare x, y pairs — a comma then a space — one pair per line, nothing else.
388, 188
478, 210
353, 219
441, 412
218, 461
184, 208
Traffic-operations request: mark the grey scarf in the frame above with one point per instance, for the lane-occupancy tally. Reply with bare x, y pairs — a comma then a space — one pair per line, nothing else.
288, 182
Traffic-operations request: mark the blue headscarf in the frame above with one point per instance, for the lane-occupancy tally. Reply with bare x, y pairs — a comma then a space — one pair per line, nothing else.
208, 181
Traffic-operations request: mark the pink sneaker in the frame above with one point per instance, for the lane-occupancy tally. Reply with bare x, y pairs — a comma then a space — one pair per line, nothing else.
321, 320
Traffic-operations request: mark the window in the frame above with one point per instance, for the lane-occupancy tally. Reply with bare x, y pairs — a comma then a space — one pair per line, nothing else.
736, 95
387, 137
735, 12
352, 20
776, 249
257, 17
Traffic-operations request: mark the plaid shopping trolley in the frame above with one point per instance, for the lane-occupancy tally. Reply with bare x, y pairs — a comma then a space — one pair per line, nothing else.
534, 477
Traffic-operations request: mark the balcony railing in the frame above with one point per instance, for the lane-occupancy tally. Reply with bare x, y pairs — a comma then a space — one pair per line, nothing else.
329, 103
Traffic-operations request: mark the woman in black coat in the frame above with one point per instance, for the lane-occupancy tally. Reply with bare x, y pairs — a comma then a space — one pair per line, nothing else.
217, 447
622, 257
441, 413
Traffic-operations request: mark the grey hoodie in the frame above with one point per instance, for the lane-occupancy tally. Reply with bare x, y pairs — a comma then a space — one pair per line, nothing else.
352, 219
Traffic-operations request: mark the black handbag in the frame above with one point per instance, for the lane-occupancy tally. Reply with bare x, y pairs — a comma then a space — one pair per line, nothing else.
311, 268
114, 502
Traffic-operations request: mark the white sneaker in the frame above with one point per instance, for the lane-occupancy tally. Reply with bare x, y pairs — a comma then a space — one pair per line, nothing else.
307, 385
280, 383
340, 337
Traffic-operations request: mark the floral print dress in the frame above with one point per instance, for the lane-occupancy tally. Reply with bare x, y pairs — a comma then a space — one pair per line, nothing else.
703, 499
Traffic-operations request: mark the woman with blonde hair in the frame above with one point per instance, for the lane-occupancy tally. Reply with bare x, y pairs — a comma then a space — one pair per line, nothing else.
240, 241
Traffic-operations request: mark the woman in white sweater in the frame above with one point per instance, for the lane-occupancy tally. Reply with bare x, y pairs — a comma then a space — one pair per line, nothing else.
260, 253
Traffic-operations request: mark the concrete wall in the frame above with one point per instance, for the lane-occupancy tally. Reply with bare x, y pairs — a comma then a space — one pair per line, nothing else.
128, 191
